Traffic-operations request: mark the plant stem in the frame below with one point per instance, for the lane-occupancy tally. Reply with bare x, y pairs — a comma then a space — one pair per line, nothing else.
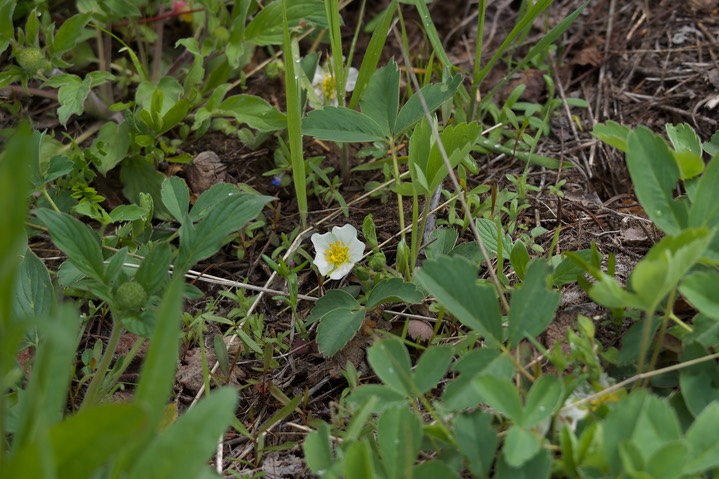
418, 233
344, 163
517, 364
663, 328
414, 247
438, 324
92, 396
395, 165
474, 95
49, 199
644, 345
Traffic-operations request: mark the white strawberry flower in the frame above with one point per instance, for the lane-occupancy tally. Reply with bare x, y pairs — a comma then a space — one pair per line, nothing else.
337, 251
324, 83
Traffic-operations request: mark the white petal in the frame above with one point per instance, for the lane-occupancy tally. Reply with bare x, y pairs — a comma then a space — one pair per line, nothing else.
322, 265
356, 250
319, 76
345, 233
322, 242
351, 79
342, 271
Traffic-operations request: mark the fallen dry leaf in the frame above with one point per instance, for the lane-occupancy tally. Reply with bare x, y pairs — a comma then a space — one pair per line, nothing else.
588, 56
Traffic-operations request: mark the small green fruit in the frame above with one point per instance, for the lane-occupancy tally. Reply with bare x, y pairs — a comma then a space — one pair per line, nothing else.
377, 261
131, 296
31, 59
274, 69
221, 35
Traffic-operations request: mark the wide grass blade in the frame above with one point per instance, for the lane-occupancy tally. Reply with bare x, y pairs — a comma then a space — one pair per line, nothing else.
22, 150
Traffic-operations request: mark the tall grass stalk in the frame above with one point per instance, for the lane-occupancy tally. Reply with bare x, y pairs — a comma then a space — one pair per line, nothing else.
474, 95
373, 53
339, 72
294, 120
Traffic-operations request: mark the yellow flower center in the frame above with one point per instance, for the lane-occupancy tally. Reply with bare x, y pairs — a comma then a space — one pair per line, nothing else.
605, 399
338, 253
328, 87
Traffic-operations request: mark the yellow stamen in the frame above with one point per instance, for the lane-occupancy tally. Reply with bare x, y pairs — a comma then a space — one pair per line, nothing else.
605, 399
328, 87
337, 254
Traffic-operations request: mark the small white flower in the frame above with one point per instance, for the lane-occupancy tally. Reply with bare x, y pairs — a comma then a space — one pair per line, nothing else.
337, 251
324, 83
573, 414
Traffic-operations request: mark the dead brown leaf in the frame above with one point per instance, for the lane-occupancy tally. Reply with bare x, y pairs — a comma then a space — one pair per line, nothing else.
588, 56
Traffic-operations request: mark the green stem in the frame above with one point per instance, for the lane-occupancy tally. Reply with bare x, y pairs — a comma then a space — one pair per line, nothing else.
644, 345
438, 324
344, 163
92, 396
395, 165
414, 247
418, 237
432, 412
473, 100
49, 199
663, 328
681, 323
423, 223
517, 364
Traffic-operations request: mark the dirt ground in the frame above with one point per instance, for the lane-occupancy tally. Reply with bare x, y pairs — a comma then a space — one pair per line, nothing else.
634, 61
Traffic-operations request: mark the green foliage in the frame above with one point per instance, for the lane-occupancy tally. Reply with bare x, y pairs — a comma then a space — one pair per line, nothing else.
43, 439
474, 305
341, 315
600, 428
426, 166
294, 114
380, 118
469, 398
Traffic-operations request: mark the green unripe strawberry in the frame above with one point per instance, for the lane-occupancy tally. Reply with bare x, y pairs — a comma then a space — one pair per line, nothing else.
31, 59
131, 296
377, 261
221, 34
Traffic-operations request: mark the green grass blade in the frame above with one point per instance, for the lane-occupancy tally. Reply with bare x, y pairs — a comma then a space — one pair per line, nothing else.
46, 393
533, 158
436, 42
372, 54
294, 120
477, 57
540, 47
523, 24
23, 149
337, 65
183, 449
432, 34
158, 371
